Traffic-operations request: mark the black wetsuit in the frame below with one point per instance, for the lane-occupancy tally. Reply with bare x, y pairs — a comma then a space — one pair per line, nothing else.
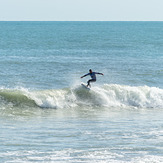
93, 76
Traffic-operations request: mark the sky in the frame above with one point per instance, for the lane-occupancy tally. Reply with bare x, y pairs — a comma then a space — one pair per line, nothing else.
81, 10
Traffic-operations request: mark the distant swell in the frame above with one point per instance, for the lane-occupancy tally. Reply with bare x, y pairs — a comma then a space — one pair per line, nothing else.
108, 95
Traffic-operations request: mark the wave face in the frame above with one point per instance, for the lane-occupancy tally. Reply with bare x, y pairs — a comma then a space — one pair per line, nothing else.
108, 95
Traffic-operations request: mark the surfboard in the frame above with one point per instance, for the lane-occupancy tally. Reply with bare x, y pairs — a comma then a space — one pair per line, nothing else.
84, 86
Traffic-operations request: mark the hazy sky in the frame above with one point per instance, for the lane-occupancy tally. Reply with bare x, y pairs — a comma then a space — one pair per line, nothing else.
81, 10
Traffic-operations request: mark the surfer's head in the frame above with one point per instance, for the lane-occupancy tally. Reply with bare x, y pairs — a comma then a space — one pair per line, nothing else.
90, 71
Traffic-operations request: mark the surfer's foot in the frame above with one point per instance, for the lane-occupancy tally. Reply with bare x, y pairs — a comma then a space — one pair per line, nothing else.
89, 86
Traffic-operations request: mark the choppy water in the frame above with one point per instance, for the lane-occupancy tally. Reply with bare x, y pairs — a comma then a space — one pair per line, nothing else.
47, 116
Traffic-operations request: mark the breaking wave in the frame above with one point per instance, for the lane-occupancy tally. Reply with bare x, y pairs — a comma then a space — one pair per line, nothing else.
108, 95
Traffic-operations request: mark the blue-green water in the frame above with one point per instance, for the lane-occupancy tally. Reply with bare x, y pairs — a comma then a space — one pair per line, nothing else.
45, 114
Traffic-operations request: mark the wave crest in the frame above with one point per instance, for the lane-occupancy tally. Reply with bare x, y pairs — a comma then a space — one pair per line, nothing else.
108, 95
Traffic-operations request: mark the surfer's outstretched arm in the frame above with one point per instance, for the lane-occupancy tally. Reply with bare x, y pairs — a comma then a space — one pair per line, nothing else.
84, 75
99, 73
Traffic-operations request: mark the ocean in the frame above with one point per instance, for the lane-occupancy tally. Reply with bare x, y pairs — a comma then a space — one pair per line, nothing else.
47, 116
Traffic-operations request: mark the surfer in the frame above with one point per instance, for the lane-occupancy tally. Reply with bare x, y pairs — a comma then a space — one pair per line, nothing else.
93, 77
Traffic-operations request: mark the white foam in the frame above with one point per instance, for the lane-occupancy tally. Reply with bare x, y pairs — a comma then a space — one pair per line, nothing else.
108, 95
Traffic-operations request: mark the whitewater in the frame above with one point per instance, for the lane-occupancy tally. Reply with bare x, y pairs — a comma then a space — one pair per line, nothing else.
107, 95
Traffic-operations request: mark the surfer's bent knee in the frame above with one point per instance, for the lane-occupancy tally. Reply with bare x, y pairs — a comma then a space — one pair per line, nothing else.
91, 80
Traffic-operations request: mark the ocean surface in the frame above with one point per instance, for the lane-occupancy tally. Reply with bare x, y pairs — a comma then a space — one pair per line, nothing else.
47, 116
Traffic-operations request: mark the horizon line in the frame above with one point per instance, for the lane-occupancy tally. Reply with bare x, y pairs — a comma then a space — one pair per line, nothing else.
81, 20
